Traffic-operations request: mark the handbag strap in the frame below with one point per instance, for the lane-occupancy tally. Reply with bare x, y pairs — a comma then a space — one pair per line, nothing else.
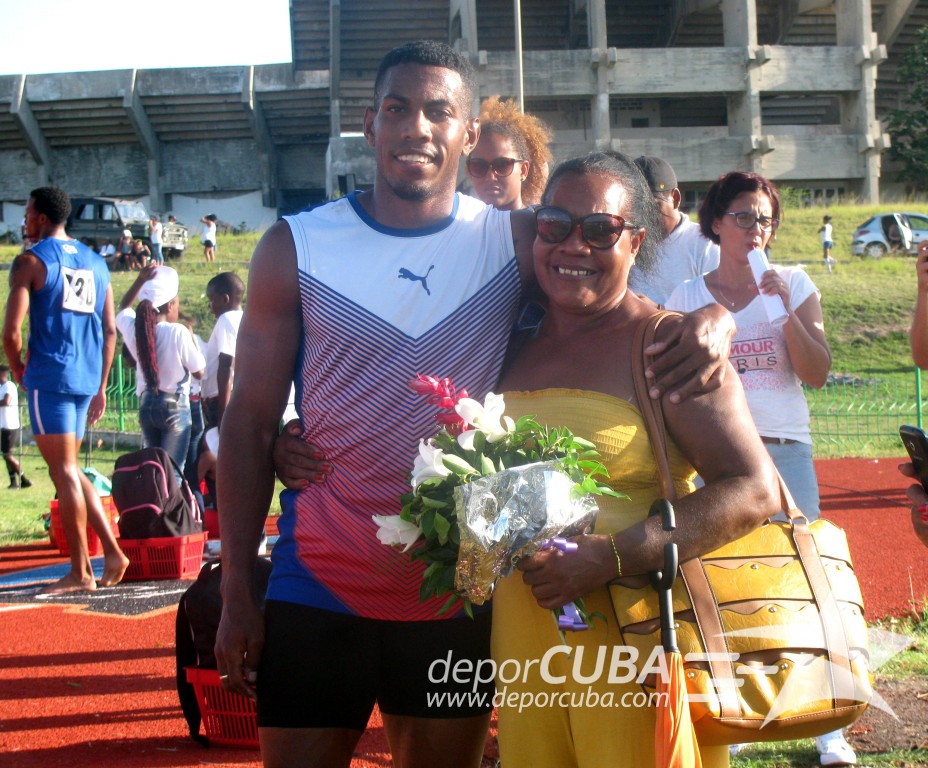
705, 607
702, 598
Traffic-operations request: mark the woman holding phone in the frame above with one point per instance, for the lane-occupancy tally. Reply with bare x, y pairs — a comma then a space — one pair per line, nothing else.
741, 212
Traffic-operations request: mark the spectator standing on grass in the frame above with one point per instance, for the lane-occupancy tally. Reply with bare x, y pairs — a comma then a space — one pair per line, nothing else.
125, 247
224, 293
166, 358
208, 236
9, 428
338, 298
196, 417
65, 289
157, 229
741, 212
684, 252
825, 231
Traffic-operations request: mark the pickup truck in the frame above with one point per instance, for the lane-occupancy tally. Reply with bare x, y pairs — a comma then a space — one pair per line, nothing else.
95, 219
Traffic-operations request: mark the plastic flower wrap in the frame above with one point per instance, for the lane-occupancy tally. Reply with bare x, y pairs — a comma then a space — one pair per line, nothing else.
486, 491
511, 514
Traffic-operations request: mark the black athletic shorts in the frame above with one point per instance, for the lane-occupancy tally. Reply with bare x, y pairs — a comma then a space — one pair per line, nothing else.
321, 669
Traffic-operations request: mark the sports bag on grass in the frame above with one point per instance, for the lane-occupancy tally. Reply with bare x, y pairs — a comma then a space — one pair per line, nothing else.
770, 626
152, 503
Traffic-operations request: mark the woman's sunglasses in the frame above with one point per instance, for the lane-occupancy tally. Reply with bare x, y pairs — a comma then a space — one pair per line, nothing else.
598, 230
501, 166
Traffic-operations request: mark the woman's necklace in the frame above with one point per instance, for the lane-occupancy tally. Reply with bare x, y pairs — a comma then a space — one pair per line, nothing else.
718, 289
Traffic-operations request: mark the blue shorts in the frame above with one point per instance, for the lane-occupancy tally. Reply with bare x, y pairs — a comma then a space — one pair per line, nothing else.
53, 413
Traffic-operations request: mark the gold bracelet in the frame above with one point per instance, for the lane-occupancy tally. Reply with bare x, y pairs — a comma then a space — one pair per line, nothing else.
618, 560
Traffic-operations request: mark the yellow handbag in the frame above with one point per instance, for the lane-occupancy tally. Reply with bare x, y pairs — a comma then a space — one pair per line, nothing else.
770, 626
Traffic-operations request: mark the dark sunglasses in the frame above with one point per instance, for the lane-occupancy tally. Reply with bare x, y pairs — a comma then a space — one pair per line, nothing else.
746, 220
502, 166
598, 230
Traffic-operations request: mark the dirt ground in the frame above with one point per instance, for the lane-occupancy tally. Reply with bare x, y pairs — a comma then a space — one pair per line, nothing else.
878, 731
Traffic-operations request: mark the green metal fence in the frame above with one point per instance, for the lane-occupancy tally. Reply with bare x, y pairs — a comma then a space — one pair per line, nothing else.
122, 404
857, 416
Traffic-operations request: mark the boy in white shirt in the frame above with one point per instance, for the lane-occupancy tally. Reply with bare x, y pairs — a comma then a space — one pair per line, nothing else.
224, 292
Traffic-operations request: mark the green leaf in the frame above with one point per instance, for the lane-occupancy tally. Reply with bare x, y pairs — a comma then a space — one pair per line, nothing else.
442, 527
480, 441
450, 603
431, 503
458, 465
427, 522
585, 444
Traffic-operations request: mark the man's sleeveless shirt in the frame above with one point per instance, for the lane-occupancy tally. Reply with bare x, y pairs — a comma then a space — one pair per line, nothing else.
378, 307
66, 319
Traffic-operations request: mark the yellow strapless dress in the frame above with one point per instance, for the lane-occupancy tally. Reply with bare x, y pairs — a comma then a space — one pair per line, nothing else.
557, 706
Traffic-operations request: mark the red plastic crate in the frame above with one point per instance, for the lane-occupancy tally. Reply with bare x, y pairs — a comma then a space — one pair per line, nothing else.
175, 557
229, 718
211, 522
94, 546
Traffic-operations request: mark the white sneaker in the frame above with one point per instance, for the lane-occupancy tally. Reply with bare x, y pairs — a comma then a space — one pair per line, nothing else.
833, 749
734, 749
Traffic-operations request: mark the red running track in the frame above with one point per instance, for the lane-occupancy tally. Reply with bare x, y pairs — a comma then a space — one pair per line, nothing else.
83, 689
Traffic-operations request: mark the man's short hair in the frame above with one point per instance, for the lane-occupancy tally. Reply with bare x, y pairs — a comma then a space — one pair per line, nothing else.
228, 283
53, 202
4, 368
429, 53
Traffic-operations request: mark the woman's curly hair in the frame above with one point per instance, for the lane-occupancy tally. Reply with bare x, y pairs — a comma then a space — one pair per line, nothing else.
530, 137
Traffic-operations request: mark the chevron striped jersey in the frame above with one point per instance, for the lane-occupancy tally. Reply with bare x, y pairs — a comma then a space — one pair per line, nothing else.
380, 305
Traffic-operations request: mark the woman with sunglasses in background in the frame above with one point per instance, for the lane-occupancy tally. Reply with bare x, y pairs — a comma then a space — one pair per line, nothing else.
741, 212
599, 217
509, 165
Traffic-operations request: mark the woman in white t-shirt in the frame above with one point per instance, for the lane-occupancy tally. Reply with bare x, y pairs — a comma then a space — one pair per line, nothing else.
166, 355
741, 212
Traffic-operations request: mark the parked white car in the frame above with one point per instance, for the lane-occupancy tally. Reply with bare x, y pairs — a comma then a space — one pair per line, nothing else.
890, 232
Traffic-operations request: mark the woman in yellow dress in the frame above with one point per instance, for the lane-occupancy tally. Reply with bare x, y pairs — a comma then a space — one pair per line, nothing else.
563, 709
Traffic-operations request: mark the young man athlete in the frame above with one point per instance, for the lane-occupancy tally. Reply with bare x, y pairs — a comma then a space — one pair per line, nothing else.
65, 288
334, 306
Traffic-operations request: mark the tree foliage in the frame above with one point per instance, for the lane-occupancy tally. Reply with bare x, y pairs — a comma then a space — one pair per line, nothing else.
908, 126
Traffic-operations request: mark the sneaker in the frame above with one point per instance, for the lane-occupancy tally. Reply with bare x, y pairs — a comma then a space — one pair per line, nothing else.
24, 482
833, 749
734, 749
14, 483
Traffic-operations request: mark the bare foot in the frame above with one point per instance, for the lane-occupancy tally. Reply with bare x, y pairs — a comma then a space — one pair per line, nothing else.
68, 584
114, 568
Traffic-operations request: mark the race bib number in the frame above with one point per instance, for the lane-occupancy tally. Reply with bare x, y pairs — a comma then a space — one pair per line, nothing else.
80, 290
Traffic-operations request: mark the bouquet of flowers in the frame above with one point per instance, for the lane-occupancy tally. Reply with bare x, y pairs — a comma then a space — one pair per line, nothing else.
486, 491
